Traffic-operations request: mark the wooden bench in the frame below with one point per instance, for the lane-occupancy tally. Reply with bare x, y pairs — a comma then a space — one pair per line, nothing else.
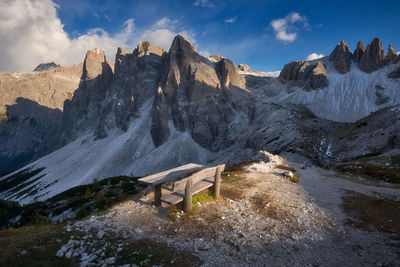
185, 181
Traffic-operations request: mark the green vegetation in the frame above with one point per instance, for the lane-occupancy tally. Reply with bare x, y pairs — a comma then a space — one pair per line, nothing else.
370, 213
40, 243
373, 168
79, 201
3, 117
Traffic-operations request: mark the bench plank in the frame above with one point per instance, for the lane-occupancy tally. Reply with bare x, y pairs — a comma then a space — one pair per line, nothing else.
170, 175
177, 196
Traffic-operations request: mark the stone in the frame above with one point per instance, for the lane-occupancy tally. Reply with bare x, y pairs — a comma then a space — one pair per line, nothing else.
341, 57
358, 52
373, 58
245, 67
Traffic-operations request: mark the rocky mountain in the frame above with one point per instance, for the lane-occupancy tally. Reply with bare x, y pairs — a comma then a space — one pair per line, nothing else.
158, 109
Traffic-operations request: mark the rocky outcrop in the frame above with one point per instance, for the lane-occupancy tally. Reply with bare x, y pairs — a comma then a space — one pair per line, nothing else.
229, 75
373, 58
341, 57
245, 67
215, 58
391, 54
358, 52
394, 74
197, 98
46, 66
303, 74
318, 77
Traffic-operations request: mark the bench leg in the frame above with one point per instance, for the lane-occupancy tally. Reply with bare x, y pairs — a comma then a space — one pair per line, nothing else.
157, 195
187, 200
217, 183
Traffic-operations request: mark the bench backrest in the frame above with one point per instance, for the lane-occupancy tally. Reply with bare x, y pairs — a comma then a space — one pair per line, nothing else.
197, 177
171, 175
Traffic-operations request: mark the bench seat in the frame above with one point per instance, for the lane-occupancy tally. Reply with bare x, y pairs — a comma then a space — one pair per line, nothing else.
177, 196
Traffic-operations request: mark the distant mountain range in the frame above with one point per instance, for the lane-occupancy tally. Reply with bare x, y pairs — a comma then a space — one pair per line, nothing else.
153, 110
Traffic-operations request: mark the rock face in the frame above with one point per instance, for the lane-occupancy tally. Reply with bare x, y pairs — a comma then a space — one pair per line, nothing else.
82, 111
358, 52
245, 67
318, 77
391, 54
303, 74
32, 104
197, 98
341, 58
373, 58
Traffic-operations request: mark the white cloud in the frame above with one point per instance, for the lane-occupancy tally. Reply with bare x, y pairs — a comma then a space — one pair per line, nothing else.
231, 20
31, 33
205, 53
273, 73
163, 32
286, 28
314, 56
203, 3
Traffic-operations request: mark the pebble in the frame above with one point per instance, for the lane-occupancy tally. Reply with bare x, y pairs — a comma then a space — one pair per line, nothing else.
24, 252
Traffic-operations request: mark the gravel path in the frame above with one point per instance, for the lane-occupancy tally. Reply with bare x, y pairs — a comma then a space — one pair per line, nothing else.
262, 219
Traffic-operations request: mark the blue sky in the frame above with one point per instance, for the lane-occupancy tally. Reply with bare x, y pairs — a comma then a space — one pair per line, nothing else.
264, 34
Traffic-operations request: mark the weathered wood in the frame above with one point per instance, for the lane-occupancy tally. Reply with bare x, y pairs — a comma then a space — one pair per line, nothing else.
196, 177
157, 194
171, 175
187, 201
177, 196
217, 183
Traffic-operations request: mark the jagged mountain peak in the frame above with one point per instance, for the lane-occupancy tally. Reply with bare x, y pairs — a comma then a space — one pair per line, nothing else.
181, 43
374, 57
341, 57
358, 52
391, 53
95, 64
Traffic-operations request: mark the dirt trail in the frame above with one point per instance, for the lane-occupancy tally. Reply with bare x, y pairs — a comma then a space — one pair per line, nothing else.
262, 219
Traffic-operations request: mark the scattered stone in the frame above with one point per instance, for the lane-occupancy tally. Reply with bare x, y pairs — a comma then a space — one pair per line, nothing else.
24, 252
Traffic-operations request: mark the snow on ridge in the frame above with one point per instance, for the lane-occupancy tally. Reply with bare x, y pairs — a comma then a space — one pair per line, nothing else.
349, 97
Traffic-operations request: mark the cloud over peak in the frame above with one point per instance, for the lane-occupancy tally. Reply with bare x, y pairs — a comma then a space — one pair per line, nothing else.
286, 28
314, 56
32, 33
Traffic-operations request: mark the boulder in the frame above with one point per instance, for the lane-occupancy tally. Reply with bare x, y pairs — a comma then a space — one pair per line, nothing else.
373, 58
341, 57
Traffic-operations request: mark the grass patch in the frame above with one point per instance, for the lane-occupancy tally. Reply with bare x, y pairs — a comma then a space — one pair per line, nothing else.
41, 244
3, 117
79, 201
370, 213
146, 252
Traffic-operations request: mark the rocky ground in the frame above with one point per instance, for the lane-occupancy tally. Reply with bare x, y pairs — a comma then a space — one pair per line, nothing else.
261, 219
